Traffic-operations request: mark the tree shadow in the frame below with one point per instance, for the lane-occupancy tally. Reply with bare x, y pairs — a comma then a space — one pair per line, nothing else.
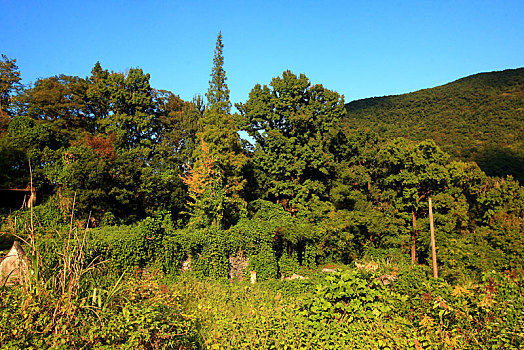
501, 162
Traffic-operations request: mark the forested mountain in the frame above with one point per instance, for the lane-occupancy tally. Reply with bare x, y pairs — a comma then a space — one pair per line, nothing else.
477, 118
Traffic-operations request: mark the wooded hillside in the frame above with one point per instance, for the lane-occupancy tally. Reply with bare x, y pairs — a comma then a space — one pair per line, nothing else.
477, 118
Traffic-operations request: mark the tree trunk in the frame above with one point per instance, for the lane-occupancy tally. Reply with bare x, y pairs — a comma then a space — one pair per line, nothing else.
413, 237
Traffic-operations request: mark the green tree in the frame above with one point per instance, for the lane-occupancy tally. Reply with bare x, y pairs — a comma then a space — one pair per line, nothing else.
292, 123
131, 116
174, 136
410, 173
176, 127
98, 93
10, 85
218, 92
61, 100
27, 140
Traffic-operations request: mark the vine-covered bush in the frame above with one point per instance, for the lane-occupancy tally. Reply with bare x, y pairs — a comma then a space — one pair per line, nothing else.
288, 264
264, 263
124, 246
351, 295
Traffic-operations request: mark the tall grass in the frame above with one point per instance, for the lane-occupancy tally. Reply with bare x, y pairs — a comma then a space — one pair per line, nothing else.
71, 300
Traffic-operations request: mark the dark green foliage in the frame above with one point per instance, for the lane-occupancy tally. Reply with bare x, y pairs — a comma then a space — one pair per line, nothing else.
109, 149
131, 102
208, 249
291, 123
264, 263
10, 87
288, 263
27, 140
347, 235
125, 246
477, 118
218, 93
111, 141
49, 218
118, 162
275, 243
60, 99
140, 245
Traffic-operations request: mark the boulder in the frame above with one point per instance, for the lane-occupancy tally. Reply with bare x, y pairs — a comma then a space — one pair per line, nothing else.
14, 266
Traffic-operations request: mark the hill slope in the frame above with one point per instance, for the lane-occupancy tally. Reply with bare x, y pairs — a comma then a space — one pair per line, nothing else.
479, 118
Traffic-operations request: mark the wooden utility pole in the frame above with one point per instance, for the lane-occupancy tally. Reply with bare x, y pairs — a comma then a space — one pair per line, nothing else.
433, 248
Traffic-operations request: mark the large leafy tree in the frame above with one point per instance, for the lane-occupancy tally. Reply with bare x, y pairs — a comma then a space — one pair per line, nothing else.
27, 140
362, 219
61, 100
174, 140
292, 122
10, 85
175, 127
111, 139
131, 104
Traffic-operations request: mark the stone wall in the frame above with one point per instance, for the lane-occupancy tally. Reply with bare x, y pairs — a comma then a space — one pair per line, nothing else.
237, 265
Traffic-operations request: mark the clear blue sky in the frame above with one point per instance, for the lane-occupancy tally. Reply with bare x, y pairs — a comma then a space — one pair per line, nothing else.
358, 48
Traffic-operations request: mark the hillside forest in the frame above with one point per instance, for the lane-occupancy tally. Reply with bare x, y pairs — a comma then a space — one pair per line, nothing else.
478, 118
326, 203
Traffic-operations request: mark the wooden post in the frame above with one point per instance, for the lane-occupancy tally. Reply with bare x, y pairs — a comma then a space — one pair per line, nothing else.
433, 248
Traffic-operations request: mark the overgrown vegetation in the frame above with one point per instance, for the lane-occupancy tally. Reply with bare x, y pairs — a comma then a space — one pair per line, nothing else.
135, 185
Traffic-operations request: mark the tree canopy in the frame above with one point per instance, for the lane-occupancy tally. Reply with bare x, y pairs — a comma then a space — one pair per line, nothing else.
292, 123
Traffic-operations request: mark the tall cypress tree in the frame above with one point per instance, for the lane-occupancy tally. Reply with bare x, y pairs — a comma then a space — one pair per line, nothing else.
218, 92
219, 132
